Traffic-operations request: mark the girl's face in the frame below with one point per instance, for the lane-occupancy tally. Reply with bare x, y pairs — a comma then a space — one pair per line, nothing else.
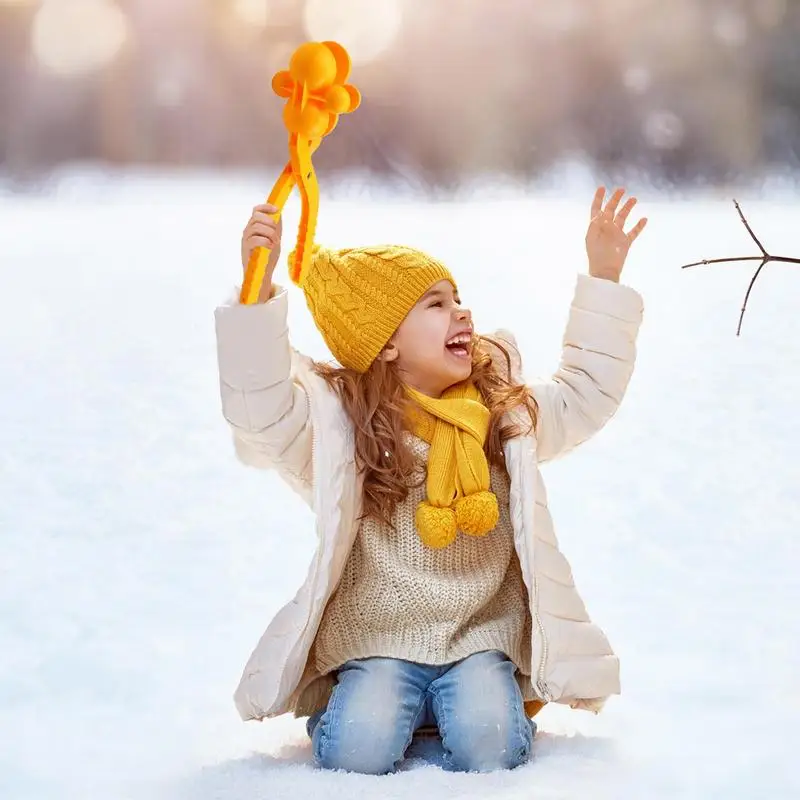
432, 348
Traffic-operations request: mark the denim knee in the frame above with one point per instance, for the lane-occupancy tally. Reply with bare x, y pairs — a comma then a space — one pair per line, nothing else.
481, 715
371, 745
370, 717
483, 744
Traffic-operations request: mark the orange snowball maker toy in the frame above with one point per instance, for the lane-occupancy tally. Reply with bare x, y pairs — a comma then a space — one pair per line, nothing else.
316, 91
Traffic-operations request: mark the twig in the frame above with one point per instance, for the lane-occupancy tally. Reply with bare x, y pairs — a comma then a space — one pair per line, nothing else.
764, 259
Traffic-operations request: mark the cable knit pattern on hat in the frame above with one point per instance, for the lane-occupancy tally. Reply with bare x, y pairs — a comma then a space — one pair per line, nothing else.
359, 296
398, 598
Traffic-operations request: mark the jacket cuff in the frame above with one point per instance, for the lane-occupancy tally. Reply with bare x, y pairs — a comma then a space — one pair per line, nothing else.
253, 343
607, 297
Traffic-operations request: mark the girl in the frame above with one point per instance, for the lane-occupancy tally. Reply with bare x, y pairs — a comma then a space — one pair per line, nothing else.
438, 595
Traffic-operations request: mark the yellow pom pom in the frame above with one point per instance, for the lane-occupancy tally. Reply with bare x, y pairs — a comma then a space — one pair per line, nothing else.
477, 514
436, 526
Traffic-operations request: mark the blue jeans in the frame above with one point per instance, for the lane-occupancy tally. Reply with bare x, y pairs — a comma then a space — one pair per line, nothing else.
378, 704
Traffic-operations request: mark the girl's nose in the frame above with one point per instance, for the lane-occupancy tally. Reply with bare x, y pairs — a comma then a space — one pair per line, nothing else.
463, 314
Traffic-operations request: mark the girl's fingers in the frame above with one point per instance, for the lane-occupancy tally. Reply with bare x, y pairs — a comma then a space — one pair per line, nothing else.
625, 211
637, 229
265, 208
266, 219
262, 229
611, 208
260, 241
597, 201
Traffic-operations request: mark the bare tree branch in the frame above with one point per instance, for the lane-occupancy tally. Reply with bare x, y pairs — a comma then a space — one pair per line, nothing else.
747, 294
750, 230
764, 259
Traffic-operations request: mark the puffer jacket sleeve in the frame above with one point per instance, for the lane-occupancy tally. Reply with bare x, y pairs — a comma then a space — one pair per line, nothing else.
267, 410
599, 351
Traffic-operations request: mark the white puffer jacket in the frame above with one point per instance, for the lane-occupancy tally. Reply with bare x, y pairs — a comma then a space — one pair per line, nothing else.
285, 417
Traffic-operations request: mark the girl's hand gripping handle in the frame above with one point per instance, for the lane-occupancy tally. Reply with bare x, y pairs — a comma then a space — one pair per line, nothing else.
261, 239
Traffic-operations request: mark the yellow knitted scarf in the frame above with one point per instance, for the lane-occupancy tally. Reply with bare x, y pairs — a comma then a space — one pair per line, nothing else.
455, 426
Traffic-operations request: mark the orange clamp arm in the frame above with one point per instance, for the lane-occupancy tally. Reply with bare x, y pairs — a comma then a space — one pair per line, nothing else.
316, 91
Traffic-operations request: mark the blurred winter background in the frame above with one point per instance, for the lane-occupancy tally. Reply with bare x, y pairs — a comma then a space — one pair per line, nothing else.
686, 90
139, 562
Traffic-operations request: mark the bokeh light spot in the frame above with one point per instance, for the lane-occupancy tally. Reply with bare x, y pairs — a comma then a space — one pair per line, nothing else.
70, 37
366, 28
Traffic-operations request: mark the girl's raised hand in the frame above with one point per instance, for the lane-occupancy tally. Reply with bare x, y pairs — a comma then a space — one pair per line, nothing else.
263, 231
607, 244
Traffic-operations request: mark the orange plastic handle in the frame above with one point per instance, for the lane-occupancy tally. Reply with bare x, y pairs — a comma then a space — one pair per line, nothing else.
316, 91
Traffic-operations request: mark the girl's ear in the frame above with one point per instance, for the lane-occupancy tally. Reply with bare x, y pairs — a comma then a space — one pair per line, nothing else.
389, 353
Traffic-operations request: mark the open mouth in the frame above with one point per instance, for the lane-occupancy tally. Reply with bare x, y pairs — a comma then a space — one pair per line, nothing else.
459, 345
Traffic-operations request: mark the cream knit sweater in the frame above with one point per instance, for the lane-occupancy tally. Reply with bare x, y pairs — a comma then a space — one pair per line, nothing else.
400, 599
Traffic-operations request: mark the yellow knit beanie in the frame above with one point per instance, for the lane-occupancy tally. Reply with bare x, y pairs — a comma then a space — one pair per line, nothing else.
359, 296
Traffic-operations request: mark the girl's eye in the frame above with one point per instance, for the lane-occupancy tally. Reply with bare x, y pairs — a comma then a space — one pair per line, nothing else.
437, 304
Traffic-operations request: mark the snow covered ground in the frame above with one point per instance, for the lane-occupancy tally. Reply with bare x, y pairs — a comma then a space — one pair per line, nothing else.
139, 562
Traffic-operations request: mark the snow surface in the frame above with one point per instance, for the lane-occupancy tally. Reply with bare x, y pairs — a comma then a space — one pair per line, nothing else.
140, 562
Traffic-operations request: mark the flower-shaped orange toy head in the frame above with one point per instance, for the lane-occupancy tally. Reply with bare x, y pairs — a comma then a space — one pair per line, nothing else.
316, 87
